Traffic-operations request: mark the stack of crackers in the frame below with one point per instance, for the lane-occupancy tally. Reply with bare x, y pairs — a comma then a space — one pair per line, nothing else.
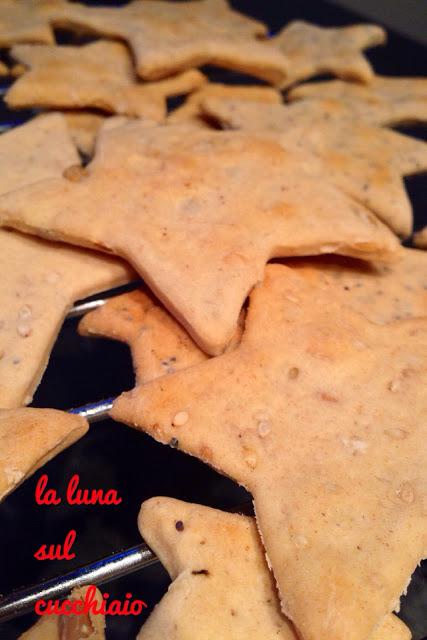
280, 335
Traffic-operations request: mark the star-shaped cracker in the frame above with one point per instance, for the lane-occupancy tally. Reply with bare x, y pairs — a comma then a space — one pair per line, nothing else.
158, 343
420, 238
201, 241
385, 100
382, 293
217, 564
313, 50
318, 413
191, 111
367, 162
168, 37
87, 626
41, 280
222, 587
31, 437
99, 74
27, 21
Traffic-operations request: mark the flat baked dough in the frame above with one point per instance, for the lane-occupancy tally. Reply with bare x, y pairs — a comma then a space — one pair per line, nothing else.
222, 588
202, 243
31, 437
318, 413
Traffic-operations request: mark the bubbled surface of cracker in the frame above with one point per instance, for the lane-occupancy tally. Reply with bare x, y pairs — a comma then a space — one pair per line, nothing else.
313, 50
318, 413
367, 162
385, 100
27, 21
206, 231
31, 437
168, 37
98, 75
71, 627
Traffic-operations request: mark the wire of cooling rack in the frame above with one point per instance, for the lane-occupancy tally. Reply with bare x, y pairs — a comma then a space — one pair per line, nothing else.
110, 568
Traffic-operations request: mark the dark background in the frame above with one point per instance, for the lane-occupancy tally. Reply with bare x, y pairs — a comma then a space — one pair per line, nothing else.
111, 455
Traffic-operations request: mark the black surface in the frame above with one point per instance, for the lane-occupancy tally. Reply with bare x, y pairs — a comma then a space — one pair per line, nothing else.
111, 455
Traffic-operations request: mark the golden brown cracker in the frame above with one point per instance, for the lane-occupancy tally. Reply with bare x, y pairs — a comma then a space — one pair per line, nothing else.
313, 50
158, 343
41, 148
221, 587
70, 627
40, 282
318, 413
191, 110
27, 21
385, 100
420, 238
201, 243
217, 564
365, 161
31, 437
98, 75
4, 70
168, 37
40, 279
